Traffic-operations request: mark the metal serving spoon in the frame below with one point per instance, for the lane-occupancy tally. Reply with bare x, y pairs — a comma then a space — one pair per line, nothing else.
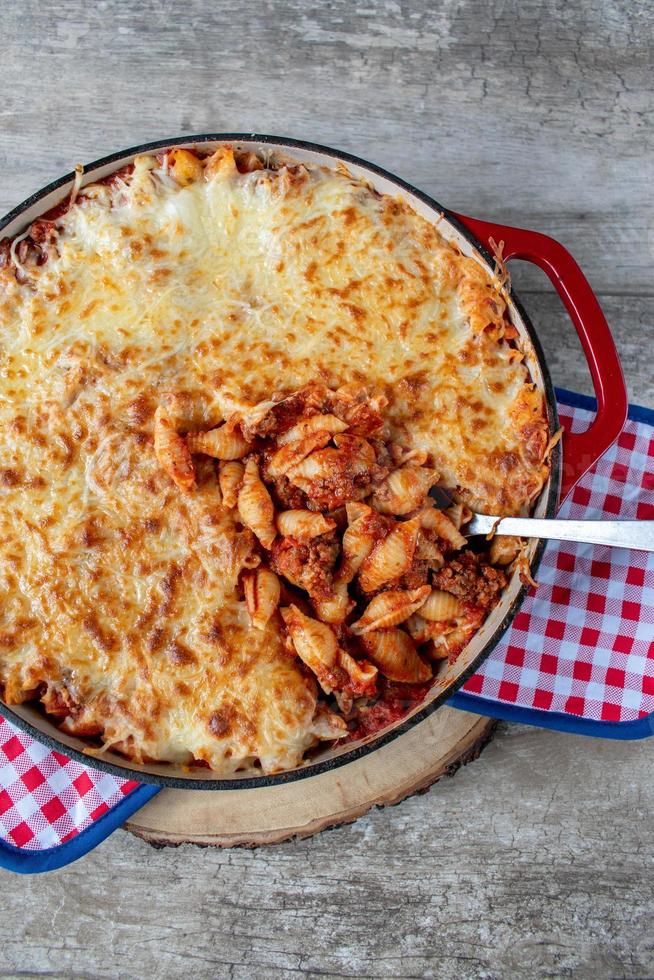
638, 535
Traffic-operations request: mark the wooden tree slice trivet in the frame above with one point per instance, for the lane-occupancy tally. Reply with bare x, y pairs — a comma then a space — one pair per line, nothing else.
270, 815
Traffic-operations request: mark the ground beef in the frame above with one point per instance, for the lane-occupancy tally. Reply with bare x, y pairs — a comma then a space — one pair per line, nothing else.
471, 579
364, 420
286, 496
307, 564
346, 473
280, 417
417, 575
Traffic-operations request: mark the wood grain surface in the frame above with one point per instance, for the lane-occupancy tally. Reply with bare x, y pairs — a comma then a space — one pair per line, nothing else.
437, 747
537, 860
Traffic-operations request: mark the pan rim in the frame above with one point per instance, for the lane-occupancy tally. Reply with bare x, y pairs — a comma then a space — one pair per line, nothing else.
310, 769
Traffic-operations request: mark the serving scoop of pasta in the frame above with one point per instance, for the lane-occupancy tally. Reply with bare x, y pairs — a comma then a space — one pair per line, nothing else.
367, 581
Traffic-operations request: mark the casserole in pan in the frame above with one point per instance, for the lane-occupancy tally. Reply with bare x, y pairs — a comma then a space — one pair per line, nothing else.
268, 167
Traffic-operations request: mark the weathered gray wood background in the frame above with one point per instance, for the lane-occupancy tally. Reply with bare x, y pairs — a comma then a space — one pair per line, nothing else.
538, 859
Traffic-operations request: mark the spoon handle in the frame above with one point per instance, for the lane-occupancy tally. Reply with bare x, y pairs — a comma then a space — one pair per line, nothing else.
620, 534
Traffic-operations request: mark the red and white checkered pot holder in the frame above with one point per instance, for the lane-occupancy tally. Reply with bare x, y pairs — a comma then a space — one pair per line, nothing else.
581, 649
583, 643
46, 798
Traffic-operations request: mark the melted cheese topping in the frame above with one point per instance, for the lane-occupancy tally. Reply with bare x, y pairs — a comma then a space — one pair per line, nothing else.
119, 593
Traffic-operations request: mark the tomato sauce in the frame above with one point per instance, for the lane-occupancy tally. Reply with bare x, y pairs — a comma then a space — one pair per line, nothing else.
394, 702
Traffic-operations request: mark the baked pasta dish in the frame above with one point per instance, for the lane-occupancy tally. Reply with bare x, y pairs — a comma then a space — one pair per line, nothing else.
228, 385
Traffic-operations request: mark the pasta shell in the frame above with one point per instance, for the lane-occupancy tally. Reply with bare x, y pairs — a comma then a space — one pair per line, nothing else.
303, 524
401, 456
262, 591
358, 541
394, 653
504, 549
267, 418
459, 514
404, 489
354, 509
332, 476
350, 393
327, 725
316, 423
389, 608
440, 606
184, 166
172, 452
427, 550
391, 557
314, 638
353, 403
346, 398
249, 415
221, 162
314, 642
230, 478
225, 442
255, 507
294, 453
436, 520
315, 466
449, 645
190, 410
365, 419
362, 674
419, 629
337, 607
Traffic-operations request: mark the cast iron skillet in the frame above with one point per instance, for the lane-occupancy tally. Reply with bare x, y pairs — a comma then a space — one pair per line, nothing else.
570, 459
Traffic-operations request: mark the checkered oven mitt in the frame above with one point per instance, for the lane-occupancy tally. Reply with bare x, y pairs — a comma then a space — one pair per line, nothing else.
53, 809
583, 642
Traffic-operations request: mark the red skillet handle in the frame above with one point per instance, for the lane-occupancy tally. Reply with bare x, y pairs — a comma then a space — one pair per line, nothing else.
582, 449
